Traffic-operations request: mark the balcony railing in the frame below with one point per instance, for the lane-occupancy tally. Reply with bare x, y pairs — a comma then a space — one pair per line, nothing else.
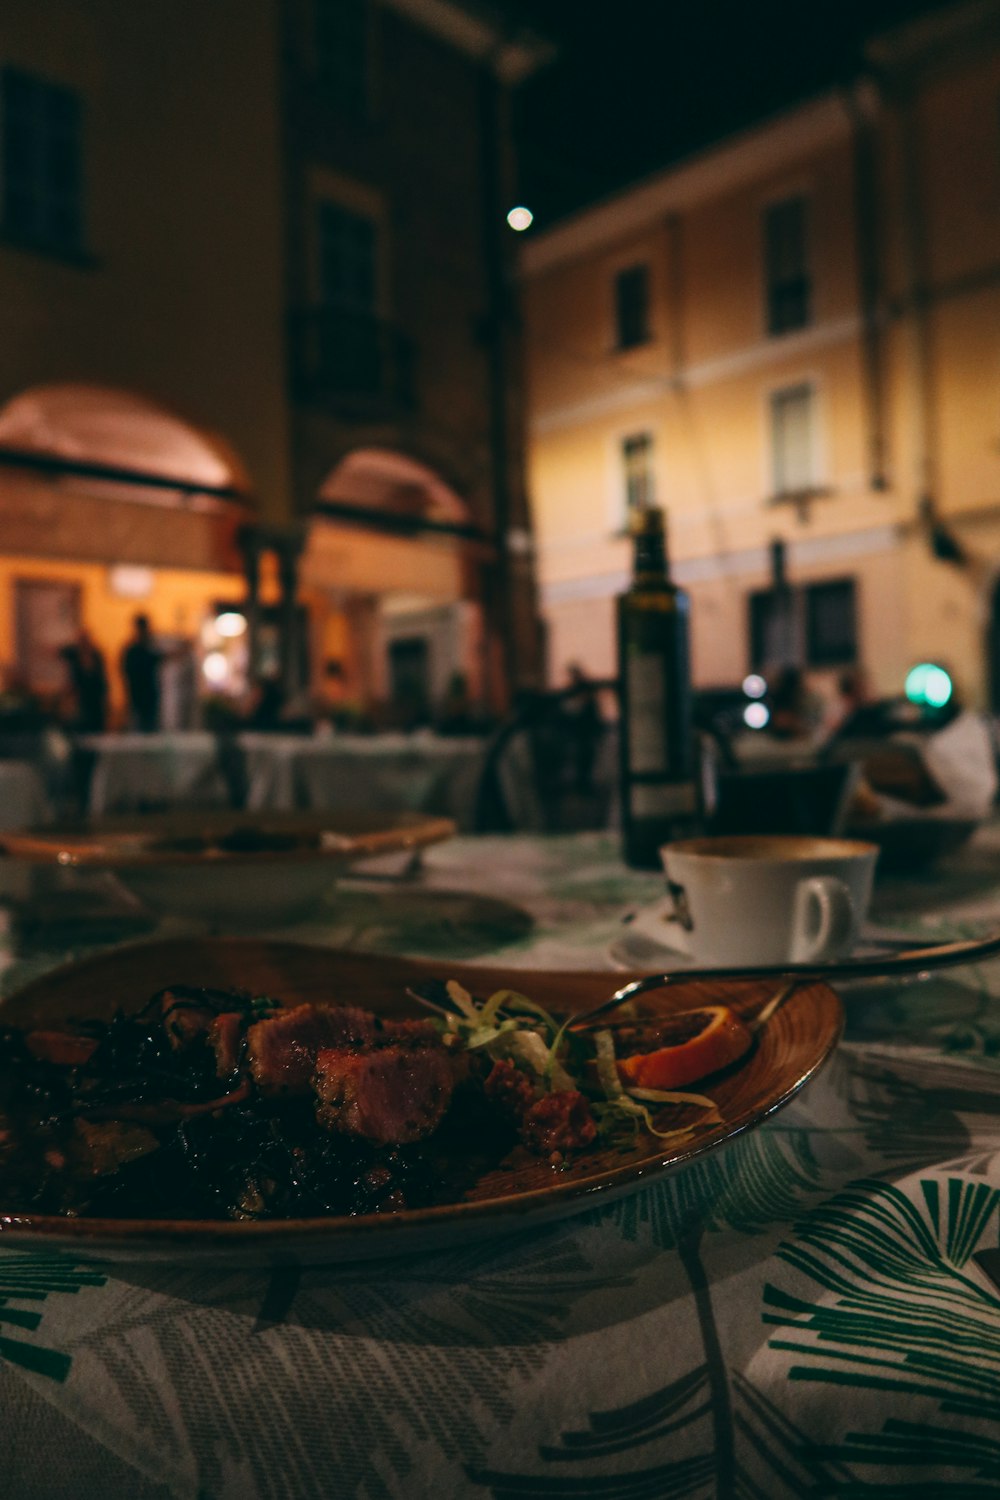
351, 360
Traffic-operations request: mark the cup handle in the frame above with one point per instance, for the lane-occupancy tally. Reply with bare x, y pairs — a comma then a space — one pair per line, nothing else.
822, 903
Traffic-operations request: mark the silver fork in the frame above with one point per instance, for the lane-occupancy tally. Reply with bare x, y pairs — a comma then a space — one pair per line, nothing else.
910, 961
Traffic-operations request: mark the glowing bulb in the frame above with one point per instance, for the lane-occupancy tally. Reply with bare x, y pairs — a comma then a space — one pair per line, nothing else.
937, 687
754, 686
755, 715
520, 218
929, 684
231, 623
216, 668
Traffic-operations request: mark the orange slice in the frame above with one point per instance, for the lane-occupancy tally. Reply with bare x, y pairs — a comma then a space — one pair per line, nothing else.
692, 1045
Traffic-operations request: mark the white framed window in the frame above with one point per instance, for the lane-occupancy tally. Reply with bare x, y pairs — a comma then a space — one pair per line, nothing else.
794, 440
638, 476
41, 163
788, 286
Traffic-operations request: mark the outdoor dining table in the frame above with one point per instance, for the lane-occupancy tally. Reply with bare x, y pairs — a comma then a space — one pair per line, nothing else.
419, 772
143, 772
24, 803
800, 1313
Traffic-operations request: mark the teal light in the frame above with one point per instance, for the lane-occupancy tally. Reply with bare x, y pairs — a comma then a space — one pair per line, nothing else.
928, 684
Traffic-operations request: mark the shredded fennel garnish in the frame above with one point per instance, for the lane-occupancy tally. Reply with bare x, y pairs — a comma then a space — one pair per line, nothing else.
628, 1103
671, 1096
510, 1026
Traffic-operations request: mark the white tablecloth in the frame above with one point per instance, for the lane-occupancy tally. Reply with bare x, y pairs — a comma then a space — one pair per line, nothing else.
144, 772
387, 772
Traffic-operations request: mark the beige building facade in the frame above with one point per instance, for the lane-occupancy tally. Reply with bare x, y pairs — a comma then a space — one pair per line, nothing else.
793, 338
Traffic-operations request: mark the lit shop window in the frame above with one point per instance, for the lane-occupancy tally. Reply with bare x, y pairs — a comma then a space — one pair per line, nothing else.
225, 652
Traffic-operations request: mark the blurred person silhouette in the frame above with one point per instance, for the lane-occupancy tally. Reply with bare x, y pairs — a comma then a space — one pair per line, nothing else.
267, 704
795, 712
88, 682
457, 715
18, 705
140, 665
852, 694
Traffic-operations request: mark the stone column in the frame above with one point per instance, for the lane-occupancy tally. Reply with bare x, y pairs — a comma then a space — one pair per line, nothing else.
251, 546
289, 549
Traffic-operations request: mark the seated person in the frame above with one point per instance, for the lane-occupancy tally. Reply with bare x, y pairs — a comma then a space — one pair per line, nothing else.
939, 762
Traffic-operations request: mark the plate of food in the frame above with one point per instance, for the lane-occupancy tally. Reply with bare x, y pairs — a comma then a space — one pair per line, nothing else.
244, 868
244, 1100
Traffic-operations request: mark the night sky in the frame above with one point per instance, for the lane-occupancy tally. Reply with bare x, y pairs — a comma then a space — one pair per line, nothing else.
638, 84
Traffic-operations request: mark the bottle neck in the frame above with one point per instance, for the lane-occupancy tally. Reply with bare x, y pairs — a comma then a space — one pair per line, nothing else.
650, 558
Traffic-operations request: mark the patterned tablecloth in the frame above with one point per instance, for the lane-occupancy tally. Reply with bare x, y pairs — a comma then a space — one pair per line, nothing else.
798, 1315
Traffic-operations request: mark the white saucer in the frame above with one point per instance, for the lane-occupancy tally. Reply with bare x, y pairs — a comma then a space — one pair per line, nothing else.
645, 941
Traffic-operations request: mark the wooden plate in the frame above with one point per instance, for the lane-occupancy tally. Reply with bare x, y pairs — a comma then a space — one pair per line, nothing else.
790, 1050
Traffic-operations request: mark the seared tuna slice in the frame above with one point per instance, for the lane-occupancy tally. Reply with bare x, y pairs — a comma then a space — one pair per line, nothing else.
391, 1096
407, 1032
282, 1050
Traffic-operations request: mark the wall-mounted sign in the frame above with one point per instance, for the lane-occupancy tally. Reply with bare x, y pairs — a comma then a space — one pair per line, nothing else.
130, 581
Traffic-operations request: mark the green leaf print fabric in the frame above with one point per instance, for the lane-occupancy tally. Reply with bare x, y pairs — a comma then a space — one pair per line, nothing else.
799, 1315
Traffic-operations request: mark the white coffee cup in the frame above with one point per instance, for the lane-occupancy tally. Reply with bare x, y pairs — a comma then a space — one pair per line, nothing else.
768, 899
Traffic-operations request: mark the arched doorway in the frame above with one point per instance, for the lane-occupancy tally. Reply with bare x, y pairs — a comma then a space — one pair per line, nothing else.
381, 482
76, 431
393, 560
110, 505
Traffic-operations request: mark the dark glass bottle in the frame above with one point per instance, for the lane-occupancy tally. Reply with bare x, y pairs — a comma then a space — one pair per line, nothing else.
659, 799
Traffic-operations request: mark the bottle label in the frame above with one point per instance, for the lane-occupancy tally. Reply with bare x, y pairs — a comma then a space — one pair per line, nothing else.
648, 749
651, 801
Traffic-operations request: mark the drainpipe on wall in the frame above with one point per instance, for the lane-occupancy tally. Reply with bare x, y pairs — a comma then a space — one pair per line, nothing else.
509, 582
675, 282
860, 101
916, 302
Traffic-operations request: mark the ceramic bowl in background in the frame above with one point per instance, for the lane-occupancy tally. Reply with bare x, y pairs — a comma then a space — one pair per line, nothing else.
240, 869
